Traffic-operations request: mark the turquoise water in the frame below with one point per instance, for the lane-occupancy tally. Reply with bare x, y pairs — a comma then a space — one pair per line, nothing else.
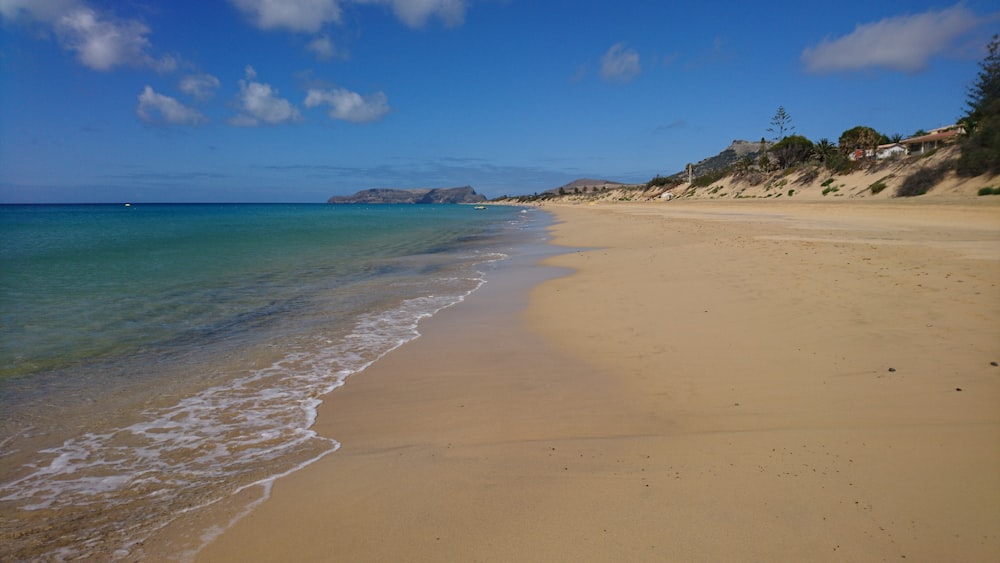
158, 358
82, 282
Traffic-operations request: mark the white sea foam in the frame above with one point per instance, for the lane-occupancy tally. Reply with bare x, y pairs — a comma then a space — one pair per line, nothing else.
216, 443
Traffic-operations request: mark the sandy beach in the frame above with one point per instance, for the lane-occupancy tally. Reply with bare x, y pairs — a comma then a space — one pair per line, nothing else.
692, 381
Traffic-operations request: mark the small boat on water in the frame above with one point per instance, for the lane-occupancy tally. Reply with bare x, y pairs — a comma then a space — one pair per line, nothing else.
480, 207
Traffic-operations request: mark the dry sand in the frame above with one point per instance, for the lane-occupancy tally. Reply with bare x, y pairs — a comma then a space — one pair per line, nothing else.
714, 382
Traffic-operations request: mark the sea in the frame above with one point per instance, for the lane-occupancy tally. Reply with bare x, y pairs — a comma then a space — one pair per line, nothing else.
158, 359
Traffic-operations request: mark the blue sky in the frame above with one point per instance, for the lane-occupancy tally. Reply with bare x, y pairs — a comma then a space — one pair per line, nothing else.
298, 100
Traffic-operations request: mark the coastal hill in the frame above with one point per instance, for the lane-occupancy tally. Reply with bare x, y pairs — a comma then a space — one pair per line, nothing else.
718, 177
464, 194
727, 157
734, 152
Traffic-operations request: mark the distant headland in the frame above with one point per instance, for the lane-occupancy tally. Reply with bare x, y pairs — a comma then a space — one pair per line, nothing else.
464, 194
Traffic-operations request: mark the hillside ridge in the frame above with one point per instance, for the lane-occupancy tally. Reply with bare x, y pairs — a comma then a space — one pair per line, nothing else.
463, 194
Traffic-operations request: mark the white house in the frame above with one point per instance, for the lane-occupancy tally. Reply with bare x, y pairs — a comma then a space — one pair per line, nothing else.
889, 151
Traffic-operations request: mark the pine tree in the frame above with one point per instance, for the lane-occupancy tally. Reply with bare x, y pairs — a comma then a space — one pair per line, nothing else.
986, 89
981, 148
781, 124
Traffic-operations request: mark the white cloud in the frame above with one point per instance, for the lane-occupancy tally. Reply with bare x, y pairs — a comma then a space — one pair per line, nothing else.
160, 109
620, 63
322, 47
293, 15
310, 16
199, 86
100, 41
349, 106
261, 104
39, 10
904, 43
415, 13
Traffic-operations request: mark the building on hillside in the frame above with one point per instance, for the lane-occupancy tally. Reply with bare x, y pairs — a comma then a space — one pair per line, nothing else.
890, 150
934, 139
858, 154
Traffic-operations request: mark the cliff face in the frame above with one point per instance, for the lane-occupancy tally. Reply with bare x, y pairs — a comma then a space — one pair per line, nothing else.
463, 194
737, 150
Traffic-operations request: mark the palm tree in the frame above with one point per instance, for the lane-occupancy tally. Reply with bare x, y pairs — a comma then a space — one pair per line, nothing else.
823, 150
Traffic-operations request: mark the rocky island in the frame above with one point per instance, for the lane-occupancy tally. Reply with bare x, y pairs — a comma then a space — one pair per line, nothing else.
464, 194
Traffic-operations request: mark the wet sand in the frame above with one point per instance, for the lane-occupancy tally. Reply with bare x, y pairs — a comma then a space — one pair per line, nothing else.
713, 381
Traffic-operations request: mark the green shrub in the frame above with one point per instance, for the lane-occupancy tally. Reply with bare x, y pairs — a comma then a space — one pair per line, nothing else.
790, 193
981, 149
831, 189
660, 181
792, 150
877, 187
827, 182
977, 159
989, 191
838, 163
710, 178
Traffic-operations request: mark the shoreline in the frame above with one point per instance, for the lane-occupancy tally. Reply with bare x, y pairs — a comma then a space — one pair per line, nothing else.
710, 382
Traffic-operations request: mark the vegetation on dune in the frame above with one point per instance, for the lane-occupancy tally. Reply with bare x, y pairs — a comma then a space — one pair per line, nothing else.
823, 151
981, 147
793, 150
877, 186
708, 179
661, 181
860, 138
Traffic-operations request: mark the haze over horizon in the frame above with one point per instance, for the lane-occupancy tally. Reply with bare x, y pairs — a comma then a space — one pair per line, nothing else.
300, 100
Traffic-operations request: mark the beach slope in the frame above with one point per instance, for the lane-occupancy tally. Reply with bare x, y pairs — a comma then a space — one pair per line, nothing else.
708, 382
